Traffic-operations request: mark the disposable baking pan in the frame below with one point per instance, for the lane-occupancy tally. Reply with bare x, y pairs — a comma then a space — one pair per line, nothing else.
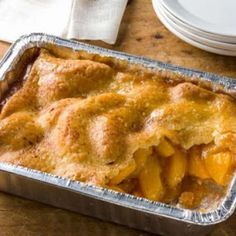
95, 201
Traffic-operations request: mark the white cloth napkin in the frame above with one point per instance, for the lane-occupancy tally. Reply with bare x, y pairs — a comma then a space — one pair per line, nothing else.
18, 17
96, 19
80, 19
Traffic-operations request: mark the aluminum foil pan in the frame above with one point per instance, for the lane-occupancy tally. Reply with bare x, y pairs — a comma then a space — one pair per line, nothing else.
90, 200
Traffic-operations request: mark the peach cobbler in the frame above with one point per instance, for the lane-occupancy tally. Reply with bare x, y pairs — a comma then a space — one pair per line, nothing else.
121, 127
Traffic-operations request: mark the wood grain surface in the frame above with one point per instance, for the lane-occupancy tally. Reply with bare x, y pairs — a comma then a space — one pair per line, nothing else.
141, 33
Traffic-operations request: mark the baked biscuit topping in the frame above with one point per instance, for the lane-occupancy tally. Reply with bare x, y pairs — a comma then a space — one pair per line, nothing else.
134, 132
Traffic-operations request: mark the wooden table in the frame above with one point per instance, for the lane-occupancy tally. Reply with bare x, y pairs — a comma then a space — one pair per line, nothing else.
141, 33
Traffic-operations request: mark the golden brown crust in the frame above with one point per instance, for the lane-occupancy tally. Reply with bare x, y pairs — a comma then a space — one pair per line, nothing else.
84, 120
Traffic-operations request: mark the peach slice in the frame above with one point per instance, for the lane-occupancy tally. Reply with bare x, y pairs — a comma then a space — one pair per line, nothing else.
150, 180
176, 169
165, 149
219, 166
196, 164
140, 157
124, 173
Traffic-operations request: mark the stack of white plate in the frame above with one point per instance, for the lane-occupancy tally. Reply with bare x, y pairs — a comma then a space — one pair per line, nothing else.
206, 24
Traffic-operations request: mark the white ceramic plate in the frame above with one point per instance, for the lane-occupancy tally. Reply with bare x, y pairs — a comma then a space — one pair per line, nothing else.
201, 33
214, 16
194, 36
187, 39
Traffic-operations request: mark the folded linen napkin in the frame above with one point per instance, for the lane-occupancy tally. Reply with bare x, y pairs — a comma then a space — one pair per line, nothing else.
96, 19
80, 19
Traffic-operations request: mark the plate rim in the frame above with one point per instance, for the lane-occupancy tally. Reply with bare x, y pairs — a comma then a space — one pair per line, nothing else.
196, 22
187, 39
200, 39
220, 38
